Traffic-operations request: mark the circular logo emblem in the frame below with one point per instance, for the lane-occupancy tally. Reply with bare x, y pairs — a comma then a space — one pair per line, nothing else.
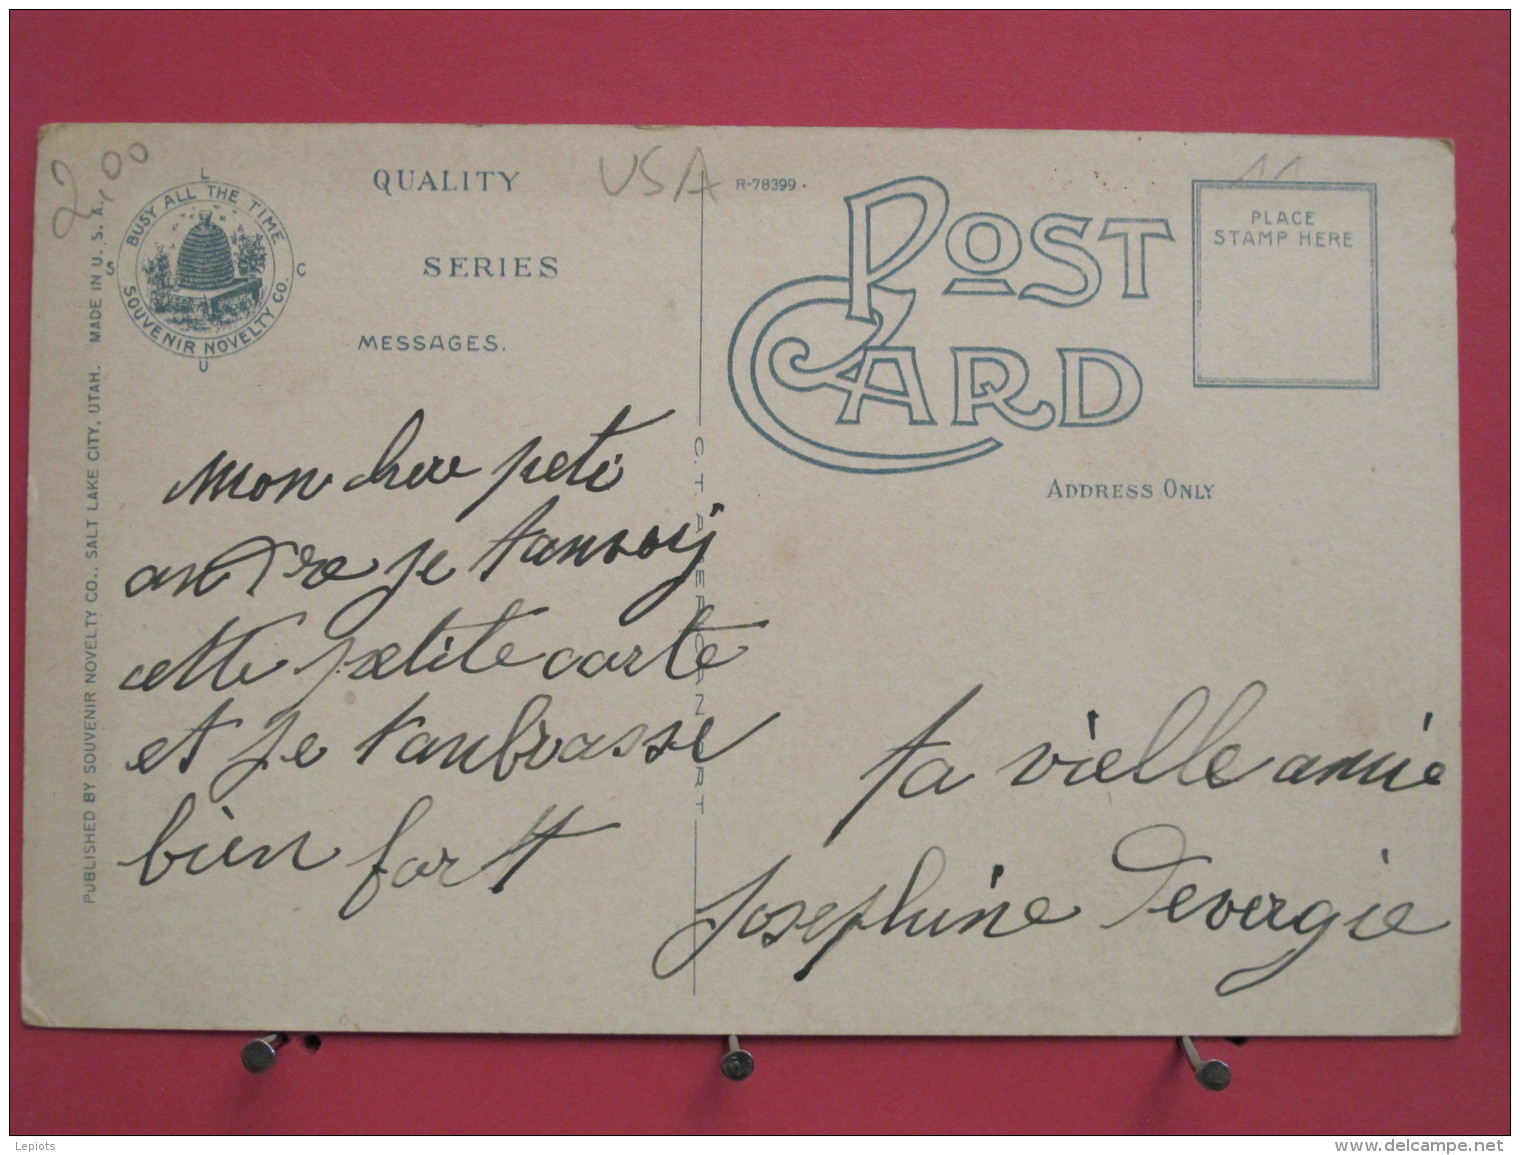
205, 269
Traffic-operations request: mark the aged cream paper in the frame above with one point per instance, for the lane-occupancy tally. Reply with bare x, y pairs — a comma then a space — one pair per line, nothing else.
706, 580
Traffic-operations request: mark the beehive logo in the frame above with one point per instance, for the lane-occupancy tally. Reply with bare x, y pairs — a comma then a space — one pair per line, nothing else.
206, 269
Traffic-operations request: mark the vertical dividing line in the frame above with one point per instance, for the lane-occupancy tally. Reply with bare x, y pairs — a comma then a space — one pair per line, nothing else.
701, 332
701, 289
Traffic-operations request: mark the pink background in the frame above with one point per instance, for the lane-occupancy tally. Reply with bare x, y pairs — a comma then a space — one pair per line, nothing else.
1432, 74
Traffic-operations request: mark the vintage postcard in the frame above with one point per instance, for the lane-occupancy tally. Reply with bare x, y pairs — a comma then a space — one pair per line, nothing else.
542, 579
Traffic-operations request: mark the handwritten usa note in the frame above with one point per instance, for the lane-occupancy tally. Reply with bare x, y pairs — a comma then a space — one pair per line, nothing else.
618, 580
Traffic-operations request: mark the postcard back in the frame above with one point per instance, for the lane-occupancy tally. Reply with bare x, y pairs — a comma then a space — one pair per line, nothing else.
788, 581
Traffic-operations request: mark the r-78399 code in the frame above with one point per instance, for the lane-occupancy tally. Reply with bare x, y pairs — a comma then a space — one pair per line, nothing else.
766, 184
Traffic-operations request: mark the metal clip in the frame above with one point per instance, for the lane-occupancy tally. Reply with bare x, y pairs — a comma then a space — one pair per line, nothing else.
260, 1054
738, 1064
1213, 1075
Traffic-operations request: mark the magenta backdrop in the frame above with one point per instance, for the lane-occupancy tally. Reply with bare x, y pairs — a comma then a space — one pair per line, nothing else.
1432, 74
